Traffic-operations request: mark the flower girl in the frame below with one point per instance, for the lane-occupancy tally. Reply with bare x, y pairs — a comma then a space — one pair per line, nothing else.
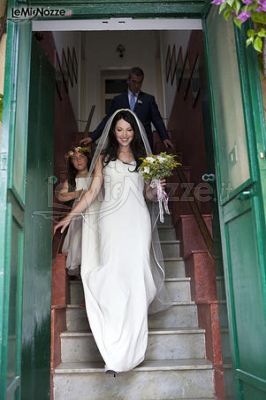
77, 182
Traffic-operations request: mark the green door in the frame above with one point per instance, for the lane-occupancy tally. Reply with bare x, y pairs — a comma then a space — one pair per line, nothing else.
36, 323
240, 204
26, 169
12, 203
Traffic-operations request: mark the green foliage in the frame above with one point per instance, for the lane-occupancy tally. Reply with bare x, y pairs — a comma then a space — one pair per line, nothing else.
242, 11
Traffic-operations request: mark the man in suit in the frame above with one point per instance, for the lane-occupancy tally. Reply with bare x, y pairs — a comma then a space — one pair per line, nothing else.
143, 104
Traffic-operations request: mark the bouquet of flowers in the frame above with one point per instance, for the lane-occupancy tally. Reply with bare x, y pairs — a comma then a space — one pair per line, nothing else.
155, 167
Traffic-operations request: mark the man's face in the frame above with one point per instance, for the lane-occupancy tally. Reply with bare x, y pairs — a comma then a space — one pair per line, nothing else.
134, 83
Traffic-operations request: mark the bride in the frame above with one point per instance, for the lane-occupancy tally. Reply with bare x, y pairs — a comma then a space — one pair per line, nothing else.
121, 271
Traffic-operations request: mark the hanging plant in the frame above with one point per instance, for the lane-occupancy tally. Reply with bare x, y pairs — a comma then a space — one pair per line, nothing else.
243, 10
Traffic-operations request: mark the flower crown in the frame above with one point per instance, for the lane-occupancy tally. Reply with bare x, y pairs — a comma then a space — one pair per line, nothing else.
78, 149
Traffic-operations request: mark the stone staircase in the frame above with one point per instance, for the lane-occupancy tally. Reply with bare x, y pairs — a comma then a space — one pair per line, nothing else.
175, 365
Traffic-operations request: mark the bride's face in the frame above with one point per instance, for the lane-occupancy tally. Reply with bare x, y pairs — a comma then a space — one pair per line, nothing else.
124, 133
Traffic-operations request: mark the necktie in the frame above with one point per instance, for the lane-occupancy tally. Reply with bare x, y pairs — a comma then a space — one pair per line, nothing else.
132, 101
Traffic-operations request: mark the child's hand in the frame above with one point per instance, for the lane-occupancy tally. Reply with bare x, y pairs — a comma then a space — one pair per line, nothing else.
63, 223
163, 183
154, 189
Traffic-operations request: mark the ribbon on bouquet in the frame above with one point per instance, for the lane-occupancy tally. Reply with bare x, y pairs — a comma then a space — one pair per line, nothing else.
162, 198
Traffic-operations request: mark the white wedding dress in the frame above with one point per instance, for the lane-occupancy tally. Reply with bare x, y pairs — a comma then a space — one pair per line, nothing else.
116, 275
72, 241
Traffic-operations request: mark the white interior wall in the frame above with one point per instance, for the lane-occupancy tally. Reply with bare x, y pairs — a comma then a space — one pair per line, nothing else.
62, 41
177, 38
101, 55
96, 52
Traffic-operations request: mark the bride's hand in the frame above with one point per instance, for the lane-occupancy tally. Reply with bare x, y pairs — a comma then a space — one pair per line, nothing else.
62, 224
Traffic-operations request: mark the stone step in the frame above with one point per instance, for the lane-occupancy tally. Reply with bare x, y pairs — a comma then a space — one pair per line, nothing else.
170, 248
179, 315
167, 221
174, 267
178, 289
152, 380
167, 233
162, 344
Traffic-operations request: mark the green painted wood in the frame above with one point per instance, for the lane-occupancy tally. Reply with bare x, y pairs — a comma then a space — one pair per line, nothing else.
250, 213
17, 172
107, 2
242, 218
258, 141
20, 261
38, 231
139, 9
12, 204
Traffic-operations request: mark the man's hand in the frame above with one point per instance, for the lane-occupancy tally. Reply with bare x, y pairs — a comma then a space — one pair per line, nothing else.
168, 144
86, 141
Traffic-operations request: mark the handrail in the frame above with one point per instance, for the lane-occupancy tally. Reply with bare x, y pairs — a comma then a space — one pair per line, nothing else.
87, 128
199, 219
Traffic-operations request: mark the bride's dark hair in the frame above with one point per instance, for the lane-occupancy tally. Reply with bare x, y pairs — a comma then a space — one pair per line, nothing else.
137, 145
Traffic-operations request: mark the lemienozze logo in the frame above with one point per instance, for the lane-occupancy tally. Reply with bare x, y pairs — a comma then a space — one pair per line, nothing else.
35, 12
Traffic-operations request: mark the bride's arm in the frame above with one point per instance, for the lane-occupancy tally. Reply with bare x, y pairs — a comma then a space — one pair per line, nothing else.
87, 199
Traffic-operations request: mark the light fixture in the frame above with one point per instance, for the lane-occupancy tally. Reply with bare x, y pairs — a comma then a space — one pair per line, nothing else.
121, 50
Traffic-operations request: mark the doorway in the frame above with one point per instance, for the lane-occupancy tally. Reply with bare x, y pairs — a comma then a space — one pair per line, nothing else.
176, 74
245, 379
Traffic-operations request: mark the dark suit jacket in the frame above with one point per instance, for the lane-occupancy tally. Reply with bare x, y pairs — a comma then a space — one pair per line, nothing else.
145, 108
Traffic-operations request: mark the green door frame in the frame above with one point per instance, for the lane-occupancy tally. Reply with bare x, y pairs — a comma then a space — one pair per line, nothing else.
231, 210
103, 9
12, 202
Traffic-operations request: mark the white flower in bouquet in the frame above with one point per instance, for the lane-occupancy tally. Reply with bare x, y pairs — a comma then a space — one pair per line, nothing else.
150, 159
161, 159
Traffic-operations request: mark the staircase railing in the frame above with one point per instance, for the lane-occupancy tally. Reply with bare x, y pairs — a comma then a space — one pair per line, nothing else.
87, 128
198, 216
